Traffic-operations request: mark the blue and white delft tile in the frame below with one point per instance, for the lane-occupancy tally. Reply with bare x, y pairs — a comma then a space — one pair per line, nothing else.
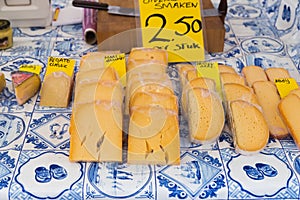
8, 163
34, 32
199, 176
264, 175
244, 11
293, 157
47, 175
288, 143
67, 31
48, 131
119, 181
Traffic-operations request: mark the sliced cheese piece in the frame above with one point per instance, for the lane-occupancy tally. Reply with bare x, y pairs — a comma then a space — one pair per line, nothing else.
227, 77
289, 108
99, 90
226, 69
96, 132
25, 85
153, 137
254, 73
94, 60
198, 82
269, 99
274, 73
249, 128
182, 71
56, 90
146, 68
234, 91
142, 99
99, 74
296, 92
190, 75
2, 81
206, 115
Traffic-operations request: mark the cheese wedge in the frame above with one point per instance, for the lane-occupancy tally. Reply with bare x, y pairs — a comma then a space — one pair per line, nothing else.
206, 115
234, 91
2, 81
56, 90
198, 82
99, 90
274, 73
99, 74
96, 132
25, 85
254, 73
227, 77
94, 60
289, 108
142, 99
249, 128
269, 99
226, 69
153, 137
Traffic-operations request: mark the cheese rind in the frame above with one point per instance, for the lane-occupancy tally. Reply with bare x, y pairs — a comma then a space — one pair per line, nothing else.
289, 108
248, 126
56, 90
2, 81
206, 115
25, 85
269, 99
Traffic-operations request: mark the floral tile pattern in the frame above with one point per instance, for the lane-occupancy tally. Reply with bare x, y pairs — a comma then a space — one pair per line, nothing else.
34, 140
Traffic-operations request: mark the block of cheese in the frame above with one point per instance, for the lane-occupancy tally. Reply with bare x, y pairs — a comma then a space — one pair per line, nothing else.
153, 136
254, 73
107, 73
268, 99
94, 60
198, 82
96, 132
226, 69
56, 90
25, 85
234, 91
142, 99
206, 115
2, 81
227, 77
274, 73
99, 90
139, 56
248, 126
296, 92
289, 108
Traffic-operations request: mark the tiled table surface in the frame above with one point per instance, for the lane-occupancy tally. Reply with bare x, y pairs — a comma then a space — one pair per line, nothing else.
34, 139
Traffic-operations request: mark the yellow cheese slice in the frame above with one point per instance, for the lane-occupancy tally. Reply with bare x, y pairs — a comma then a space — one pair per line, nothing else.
98, 74
254, 73
269, 99
227, 77
226, 69
274, 73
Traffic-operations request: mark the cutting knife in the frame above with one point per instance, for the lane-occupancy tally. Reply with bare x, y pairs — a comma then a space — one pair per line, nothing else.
131, 12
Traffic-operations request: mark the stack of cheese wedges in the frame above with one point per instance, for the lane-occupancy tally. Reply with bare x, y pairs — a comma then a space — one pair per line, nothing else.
245, 119
96, 122
201, 105
153, 133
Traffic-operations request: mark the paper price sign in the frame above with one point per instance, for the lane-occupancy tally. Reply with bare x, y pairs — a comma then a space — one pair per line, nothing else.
118, 62
175, 26
31, 68
56, 64
285, 85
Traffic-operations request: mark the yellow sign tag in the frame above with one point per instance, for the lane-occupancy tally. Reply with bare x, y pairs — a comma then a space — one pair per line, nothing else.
36, 69
175, 26
118, 62
285, 85
210, 70
56, 64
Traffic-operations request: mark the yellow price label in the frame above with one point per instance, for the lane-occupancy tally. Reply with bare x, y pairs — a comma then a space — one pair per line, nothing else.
210, 70
36, 69
175, 26
57, 64
118, 62
285, 85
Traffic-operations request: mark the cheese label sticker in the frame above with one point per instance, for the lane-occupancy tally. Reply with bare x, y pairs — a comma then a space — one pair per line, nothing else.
58, 64
210, 70
118, 62
175, 26
285, 85
36, 69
